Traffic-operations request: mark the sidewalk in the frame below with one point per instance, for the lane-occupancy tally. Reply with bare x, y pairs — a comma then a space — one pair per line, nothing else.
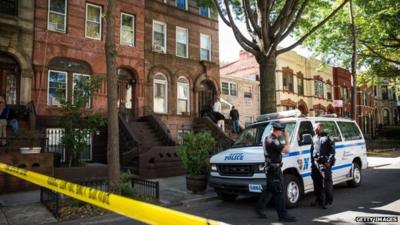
173, 192
24, 208
381, 161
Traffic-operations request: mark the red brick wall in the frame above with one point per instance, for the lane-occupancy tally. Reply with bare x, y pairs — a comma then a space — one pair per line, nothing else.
74, 45
342, 77
172, 66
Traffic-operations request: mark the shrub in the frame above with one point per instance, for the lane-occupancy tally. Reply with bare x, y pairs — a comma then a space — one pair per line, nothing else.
195, 151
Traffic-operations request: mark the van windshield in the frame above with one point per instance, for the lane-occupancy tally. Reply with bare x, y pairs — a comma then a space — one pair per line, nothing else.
251, 136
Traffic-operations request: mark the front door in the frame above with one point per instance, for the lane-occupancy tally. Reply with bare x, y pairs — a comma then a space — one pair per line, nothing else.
125, 94
126, 90
8, 86
206, 96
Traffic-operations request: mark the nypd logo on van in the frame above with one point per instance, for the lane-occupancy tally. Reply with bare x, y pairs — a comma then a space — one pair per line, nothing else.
234, 156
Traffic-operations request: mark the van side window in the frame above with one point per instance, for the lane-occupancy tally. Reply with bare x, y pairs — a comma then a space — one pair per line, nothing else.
331, 129
304, 128
349, 131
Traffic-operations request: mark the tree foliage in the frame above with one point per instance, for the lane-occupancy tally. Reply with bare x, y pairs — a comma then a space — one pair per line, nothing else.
378, 35
268, 23
77, 121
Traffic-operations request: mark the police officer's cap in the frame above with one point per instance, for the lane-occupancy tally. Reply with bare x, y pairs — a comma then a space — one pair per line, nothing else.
278, 125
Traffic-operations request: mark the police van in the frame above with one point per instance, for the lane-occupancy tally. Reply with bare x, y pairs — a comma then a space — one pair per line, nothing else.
240, 169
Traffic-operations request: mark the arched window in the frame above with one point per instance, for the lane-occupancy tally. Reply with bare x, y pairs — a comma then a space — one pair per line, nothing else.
183, 95
386, 118
63, 77
160, 93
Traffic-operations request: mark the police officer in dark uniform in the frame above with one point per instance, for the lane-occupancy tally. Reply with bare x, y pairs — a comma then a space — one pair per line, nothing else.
273, 157
322, 159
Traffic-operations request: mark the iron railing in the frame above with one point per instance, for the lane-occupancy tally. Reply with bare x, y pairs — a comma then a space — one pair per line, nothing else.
54, 201
161, 129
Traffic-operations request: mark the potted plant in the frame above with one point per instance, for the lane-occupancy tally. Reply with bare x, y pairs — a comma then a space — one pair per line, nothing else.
32, 138
194, 153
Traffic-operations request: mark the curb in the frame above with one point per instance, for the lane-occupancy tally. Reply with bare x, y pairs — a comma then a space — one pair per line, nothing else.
187, 202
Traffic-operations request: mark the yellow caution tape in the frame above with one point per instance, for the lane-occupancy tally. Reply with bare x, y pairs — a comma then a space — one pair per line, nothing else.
142, 211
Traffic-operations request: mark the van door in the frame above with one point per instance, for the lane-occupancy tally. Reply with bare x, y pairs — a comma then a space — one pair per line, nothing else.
353, 145
304, 160
332, 130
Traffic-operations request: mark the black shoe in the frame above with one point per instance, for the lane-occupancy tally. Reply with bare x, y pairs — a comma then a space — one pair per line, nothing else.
260, 214
288, 219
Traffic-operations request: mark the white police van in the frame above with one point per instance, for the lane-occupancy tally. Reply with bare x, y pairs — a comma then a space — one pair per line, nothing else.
240, 169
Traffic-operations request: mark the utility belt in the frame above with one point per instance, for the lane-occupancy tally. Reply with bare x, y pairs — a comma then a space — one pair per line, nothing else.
274, 165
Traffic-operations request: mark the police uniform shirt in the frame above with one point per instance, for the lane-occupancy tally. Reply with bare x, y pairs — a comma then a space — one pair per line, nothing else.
273, 149
318, 142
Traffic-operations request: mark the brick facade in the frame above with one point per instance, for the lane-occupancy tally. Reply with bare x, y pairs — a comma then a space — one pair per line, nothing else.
173, 67
74, 46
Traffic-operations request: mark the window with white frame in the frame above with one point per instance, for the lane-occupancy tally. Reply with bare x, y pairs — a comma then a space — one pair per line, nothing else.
205, 47
183, 95
160, 93
182, 4
57, 15
93, 21
204, 11
181, 42
57, 87
319, 88
78, 77
229, 88
127, 36
159, 37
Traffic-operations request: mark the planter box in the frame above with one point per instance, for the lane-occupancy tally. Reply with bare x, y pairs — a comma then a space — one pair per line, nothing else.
33, 150
76, 174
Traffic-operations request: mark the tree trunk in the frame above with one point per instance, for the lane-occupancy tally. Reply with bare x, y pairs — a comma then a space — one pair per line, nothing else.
353, 64
267, 84
112, 137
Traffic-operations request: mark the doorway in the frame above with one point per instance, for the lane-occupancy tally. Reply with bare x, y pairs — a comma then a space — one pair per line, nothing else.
9, 79
126, 90
206, 96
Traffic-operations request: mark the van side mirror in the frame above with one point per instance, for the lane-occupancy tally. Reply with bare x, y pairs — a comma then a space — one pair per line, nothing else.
307, 139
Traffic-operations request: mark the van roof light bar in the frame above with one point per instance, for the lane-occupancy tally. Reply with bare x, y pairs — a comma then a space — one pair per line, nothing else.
279, 115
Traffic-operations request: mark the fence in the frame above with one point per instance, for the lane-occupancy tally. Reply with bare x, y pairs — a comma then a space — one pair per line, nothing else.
55, 201
54, 136
383, 144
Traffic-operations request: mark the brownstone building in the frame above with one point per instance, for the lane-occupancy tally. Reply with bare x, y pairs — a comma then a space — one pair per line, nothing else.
181, 61
69, 40
365, 101
69, 44
16, 34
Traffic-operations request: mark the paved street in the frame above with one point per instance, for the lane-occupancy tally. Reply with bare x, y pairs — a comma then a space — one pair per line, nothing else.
378, 195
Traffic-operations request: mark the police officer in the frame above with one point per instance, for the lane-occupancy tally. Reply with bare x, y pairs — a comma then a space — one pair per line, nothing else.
274, 187
322, 159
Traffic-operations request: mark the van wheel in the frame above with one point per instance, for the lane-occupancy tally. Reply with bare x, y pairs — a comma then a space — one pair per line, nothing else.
356, 178
226, 197
293, 190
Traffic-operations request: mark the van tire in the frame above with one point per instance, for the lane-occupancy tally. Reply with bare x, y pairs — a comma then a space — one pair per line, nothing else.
226, 197
292, 196
356, 176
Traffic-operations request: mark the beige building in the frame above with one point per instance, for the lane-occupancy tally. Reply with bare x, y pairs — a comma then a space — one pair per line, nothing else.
304, 84
300, 83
